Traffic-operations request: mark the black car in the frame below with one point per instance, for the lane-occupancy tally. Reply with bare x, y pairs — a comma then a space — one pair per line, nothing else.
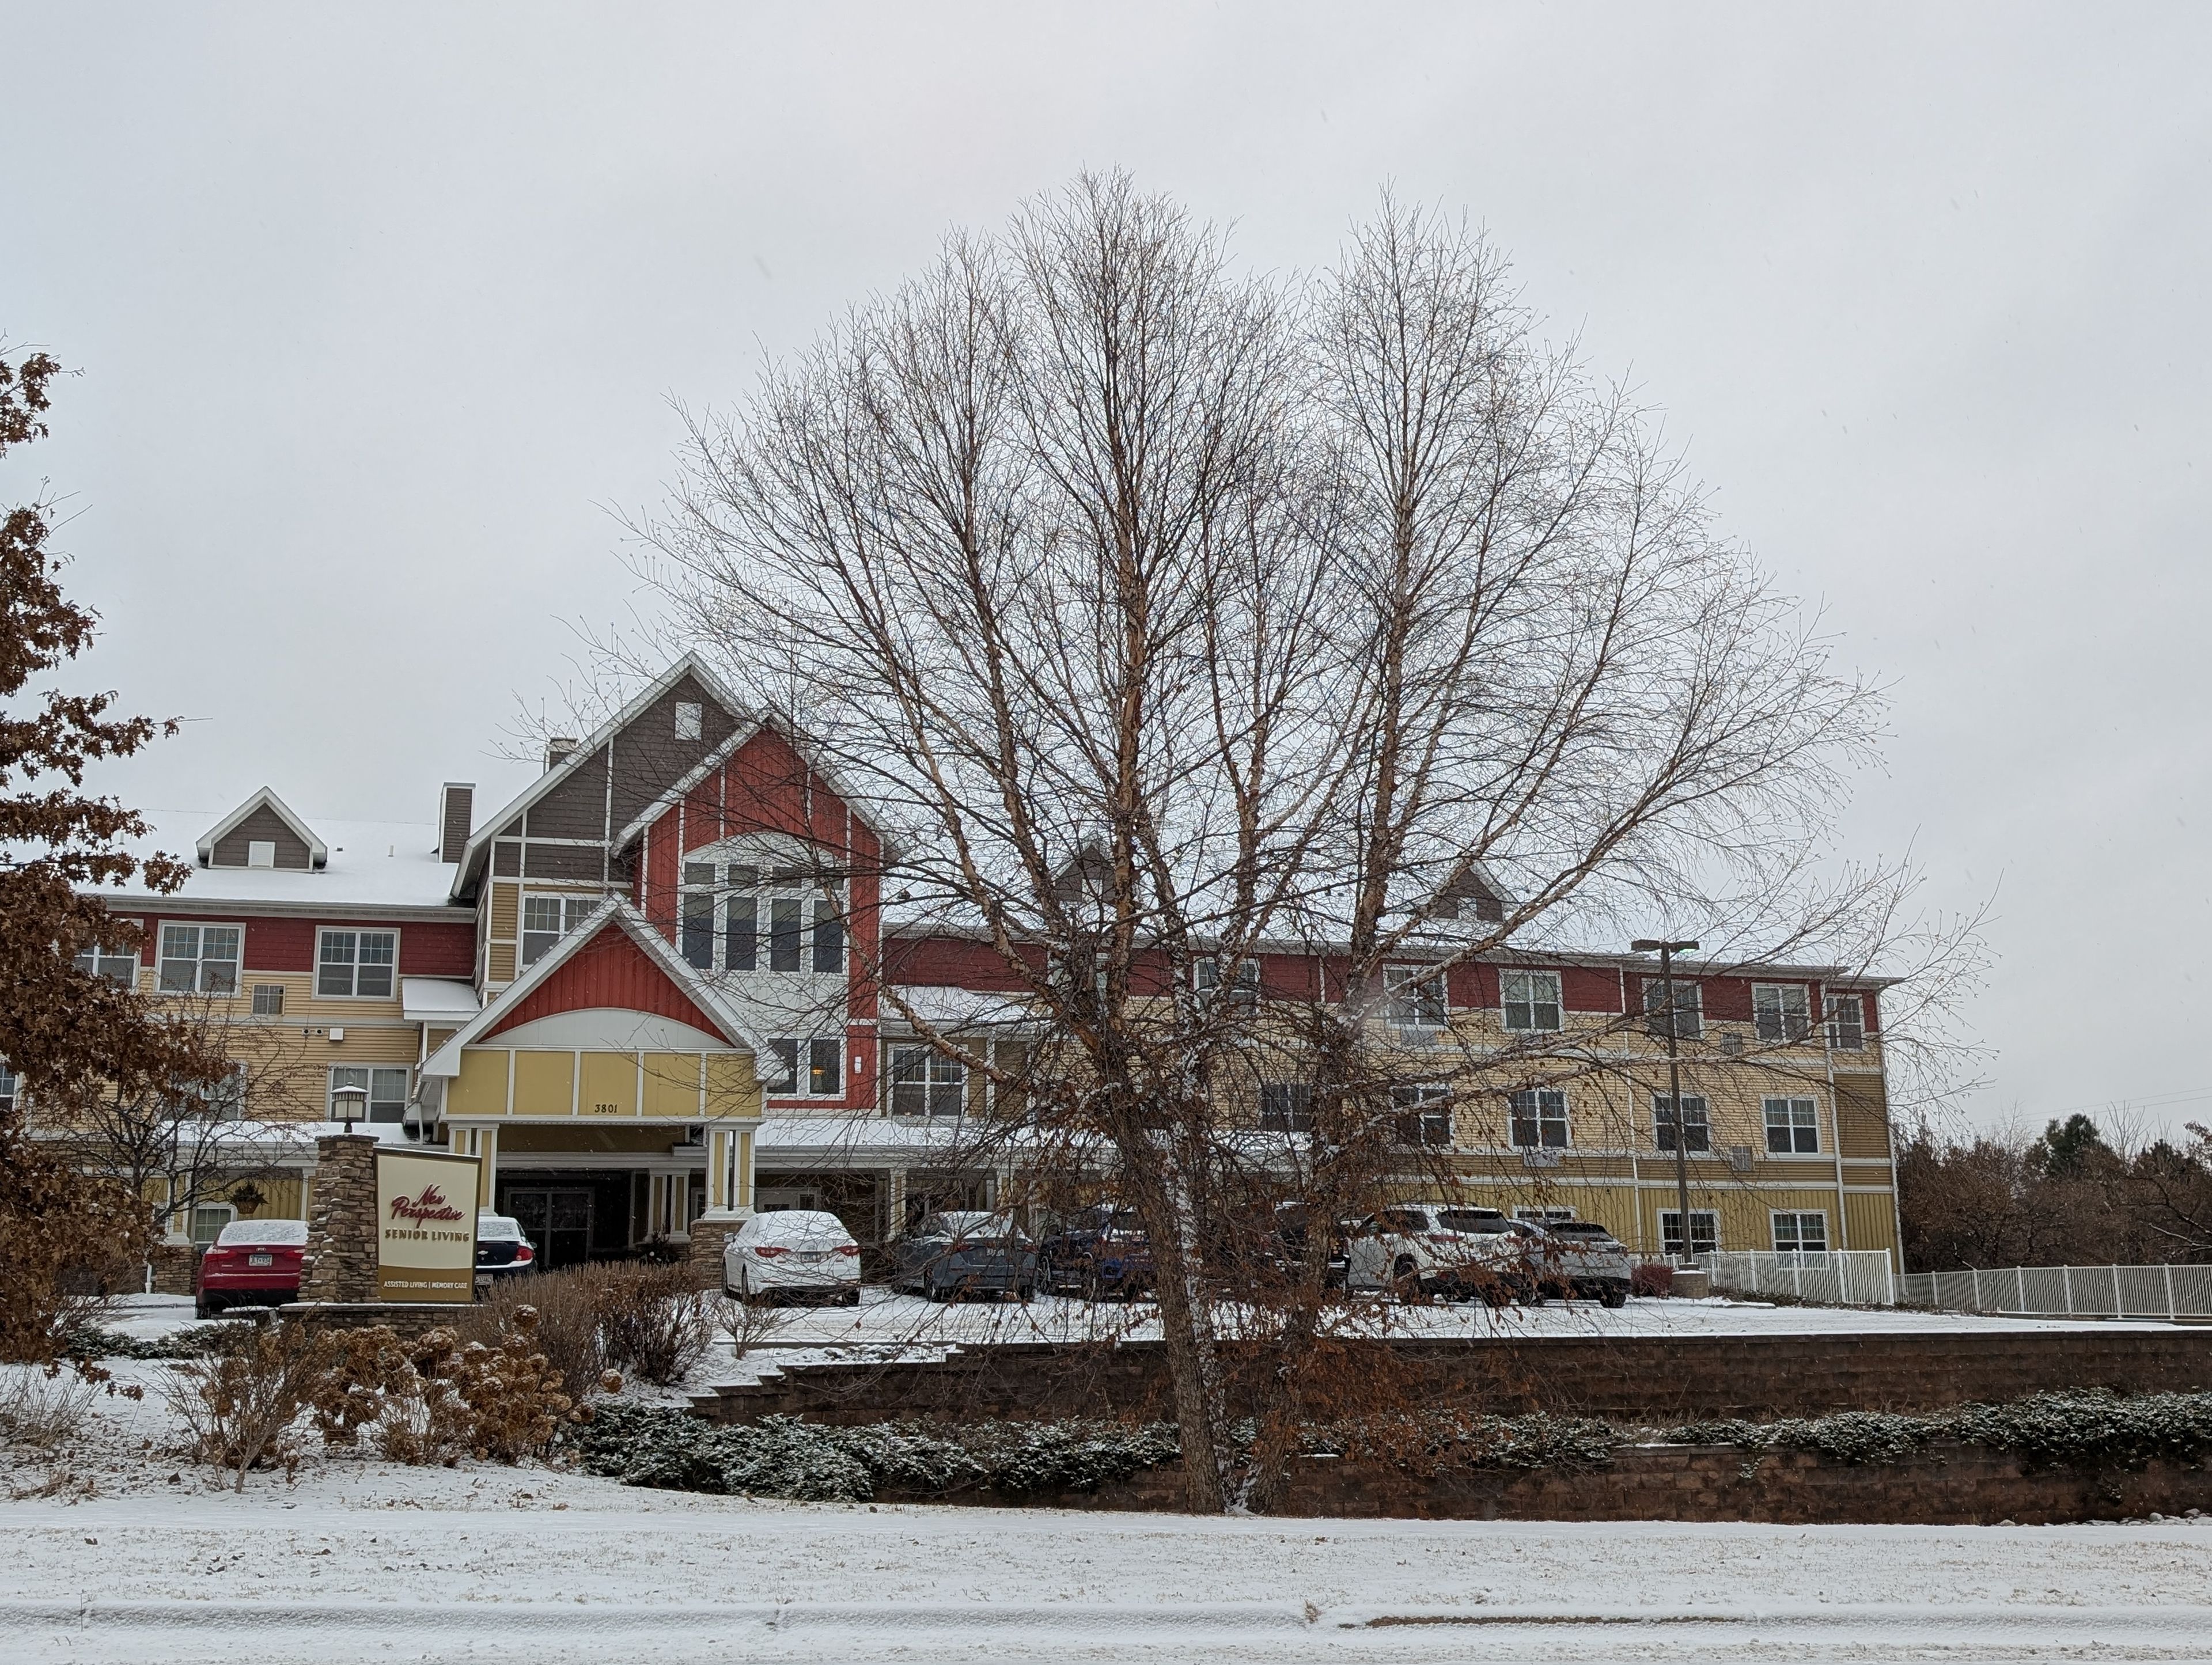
1289, 1239
1094, 1252
501, 1249
957, 1253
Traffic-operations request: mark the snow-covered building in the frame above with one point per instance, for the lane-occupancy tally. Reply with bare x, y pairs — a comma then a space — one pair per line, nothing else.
645, 994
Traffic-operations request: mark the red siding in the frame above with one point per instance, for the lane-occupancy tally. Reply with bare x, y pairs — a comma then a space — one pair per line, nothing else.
1589, 989
1472, 983
609, 971
280, 944
437, 951
949, 961
1727, 1000
1289, 975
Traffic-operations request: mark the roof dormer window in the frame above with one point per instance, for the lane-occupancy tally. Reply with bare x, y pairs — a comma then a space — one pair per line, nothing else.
688, 719
261, 852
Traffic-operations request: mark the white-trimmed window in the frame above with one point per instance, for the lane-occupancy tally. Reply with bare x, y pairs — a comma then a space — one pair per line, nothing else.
688, 719
1782, 1011
1689, 1007
1243, 992
1531, 998
1846, 1023
546, 920
361, 964
1540, 1118
208, 1219
806, 1068
1424, 1115
1793, 1127
118, 965
926, 1083
1417, 996
226, 1099
1704, 1231
696, 932
200, 959
261, 852
386, 1088
11, 1086
268, 999
1285, 1106
740, 917
1697, 1127
1804, 1233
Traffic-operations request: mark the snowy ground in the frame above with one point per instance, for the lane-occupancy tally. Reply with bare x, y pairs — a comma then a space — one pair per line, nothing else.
357, 1560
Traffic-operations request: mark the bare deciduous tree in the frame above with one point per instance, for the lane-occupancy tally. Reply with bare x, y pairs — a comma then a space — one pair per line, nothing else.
1169, 617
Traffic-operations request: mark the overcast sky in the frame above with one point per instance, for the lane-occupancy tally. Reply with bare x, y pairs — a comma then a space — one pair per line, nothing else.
378, 311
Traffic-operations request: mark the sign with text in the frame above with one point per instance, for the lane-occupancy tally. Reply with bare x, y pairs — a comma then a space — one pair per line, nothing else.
426, 1226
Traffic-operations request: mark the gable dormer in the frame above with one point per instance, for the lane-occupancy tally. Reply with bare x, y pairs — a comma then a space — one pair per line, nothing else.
262, 832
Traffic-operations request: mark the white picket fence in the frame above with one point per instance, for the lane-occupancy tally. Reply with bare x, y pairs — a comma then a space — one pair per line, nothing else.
1843, 1277
2075, 1291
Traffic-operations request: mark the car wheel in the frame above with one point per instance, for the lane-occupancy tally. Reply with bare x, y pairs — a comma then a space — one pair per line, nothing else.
205, 1308
1403, 1279
852, 1298
1613, 1297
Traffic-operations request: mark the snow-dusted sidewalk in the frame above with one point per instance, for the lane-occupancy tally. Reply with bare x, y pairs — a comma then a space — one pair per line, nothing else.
527, 1565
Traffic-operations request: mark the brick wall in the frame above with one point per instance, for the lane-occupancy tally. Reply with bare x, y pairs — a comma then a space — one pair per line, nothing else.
1945, 1486
1638, 1380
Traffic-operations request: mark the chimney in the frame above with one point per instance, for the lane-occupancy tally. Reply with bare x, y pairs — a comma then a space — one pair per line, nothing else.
558, 752
456, 801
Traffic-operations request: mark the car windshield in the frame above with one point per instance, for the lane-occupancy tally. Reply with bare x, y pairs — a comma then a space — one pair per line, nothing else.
264, 1234
1471, 1220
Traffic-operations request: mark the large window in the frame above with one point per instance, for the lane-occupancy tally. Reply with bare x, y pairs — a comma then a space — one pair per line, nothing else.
1417, 996
740, 917
386, 1090
208, 1219
1285, 1106
1540, 1118
357, 962
1846, 1023
546, 920
118, 965
1697, 1130
1704, 1231
200, 959
1800, 1234
1793, 1127
1782, 1011
924, 1082
1424, 1115
1689, 1007
810, 1069
1532, 999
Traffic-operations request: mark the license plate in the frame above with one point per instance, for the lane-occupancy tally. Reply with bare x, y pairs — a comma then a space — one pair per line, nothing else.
813, 1256
261, 1260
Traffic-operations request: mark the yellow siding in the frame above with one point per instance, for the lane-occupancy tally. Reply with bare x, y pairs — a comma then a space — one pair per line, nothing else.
1871, 1219
505, 911
609, 1087
1861, 1116
730, 1088
480, 1087
499, 963
672, 1085
545, 1083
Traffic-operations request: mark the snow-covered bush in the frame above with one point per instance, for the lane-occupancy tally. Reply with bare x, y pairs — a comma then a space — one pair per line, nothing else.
779, 1457
2090, 1428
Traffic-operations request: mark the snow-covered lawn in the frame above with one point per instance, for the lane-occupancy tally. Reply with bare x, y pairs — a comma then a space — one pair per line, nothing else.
531, 1565
361, 1560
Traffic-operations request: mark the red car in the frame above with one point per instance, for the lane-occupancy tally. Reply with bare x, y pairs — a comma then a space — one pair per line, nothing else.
254, 1263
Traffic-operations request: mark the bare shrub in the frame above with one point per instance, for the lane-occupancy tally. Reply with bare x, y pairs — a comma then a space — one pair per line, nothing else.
66, 1238
242, 1407
40, 1409
748, 1323
653, 1319
566, 1326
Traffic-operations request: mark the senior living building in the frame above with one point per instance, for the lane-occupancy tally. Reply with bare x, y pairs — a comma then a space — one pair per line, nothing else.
646, 994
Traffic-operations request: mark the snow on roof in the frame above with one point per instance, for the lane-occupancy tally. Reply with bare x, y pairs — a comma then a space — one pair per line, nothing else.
437, 1000
944, 1006
372, 863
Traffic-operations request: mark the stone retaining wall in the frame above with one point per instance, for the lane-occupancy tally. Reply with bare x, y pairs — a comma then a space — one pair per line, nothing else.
1945, 1486
1641, 1380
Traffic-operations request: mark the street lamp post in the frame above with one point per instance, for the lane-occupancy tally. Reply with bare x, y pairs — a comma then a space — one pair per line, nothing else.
1666, 950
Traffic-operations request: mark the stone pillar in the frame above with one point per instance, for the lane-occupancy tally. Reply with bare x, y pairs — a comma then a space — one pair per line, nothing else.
710, 1234
341, 1255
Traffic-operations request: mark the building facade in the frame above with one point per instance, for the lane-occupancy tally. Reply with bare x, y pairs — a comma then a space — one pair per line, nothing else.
646, 994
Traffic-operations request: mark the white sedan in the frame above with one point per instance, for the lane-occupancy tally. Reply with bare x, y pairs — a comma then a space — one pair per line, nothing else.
793, 1252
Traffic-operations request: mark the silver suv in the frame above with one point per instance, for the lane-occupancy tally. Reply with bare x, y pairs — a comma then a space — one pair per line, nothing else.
1588, 1258
1423, 1248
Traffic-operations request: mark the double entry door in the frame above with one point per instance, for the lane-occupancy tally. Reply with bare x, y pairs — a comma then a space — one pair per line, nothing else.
557, 1218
